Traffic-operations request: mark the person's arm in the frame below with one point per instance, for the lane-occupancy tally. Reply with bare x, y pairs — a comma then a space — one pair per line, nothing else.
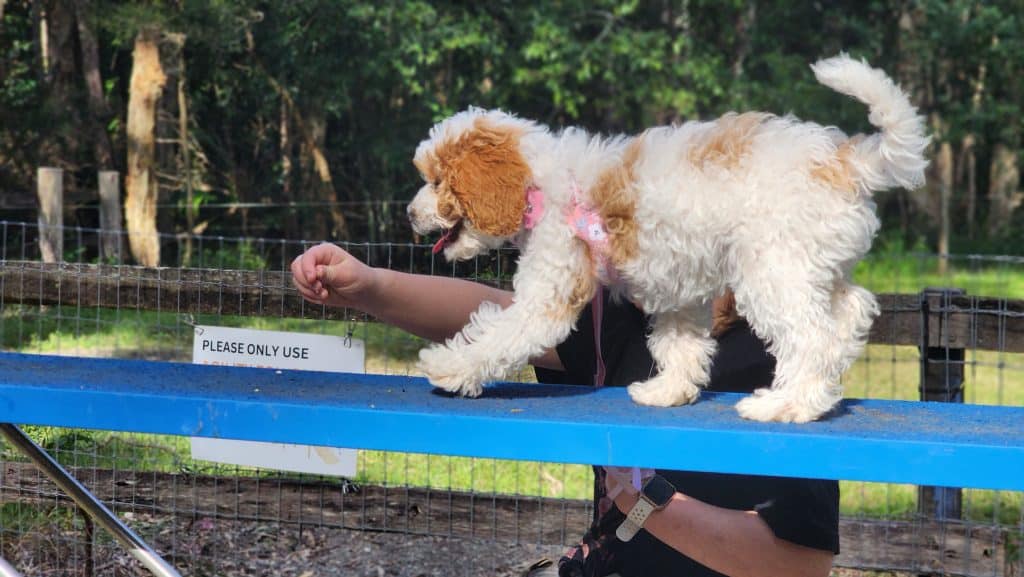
734, 543
432, 307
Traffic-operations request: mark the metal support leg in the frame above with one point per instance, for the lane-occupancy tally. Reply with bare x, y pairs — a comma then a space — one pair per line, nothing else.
88, 502
6, 570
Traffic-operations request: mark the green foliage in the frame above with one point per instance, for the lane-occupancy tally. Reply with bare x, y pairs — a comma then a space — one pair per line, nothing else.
367, 80
240, 256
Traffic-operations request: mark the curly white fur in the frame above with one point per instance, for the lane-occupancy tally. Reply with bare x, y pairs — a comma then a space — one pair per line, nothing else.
781, 236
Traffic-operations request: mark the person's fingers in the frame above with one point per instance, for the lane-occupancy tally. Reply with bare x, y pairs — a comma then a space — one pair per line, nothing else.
304, 268
298, 276
325, 274
310, 259
309, 294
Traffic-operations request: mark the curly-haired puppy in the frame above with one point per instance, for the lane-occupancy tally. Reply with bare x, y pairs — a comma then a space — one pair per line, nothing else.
773, 208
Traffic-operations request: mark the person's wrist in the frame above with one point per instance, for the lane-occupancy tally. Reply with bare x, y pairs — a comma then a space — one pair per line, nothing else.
368, 295
625, 500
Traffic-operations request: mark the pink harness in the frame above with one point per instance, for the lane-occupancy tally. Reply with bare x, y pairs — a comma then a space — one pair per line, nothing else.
586, 224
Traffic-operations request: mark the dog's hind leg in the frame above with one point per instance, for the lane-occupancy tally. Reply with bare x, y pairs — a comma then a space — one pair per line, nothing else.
854, 309
681, 347
795, 314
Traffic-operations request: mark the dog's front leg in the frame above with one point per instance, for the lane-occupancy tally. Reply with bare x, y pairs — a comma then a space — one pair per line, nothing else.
548, 298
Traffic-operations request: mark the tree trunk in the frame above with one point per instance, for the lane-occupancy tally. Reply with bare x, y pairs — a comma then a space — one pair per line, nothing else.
927, 200
313, 135
98, 110
913, 78
58, 48
943, 182
315, 140
59, 80
967, 171
744, 27
1003, 195
186, 156
291, 226
147, 82
967, 174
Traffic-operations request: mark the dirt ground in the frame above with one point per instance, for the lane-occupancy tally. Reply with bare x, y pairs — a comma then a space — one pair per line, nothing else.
207, 548
204, 548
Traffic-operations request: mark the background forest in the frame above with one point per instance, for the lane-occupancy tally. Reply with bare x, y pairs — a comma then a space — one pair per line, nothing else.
299, 119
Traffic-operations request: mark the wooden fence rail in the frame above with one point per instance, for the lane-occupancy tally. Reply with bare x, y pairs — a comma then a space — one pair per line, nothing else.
958, 321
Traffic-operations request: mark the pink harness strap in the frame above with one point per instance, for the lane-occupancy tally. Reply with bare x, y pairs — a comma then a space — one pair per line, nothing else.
588, 225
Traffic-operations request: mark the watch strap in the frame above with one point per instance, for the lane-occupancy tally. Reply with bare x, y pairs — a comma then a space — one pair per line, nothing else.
634, 519
626, 530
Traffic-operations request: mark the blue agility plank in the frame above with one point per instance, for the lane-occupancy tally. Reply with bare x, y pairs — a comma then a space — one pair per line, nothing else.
886, 441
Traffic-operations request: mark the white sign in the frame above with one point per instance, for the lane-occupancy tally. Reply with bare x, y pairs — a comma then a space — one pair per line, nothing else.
277, 350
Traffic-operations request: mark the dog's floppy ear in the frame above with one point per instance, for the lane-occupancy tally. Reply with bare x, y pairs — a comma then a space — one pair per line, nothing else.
448, 206
488, 175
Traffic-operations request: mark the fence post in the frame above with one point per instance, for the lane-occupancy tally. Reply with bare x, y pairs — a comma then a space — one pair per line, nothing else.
110, 216
942, 380
50, 189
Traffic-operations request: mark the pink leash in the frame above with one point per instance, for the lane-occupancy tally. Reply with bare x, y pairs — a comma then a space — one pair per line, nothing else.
597, 310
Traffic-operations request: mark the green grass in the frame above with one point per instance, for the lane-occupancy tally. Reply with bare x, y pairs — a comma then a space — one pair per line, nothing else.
22, 519
885, 372
480, 475
165, 335
909, 273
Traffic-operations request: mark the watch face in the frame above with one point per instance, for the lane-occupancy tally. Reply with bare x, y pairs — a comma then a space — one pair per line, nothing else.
658, 490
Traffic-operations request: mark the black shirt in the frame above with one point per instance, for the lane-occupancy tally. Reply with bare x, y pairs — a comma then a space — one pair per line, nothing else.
802, 511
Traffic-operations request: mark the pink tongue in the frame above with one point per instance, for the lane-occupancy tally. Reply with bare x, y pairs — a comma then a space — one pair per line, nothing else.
439, 245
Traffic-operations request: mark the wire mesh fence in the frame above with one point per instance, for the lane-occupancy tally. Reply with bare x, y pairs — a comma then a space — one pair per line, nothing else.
410, 514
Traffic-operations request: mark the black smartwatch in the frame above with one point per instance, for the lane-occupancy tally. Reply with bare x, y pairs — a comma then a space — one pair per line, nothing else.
655, 494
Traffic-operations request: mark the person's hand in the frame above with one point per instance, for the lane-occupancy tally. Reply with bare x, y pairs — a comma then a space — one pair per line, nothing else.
622, 485
328, 275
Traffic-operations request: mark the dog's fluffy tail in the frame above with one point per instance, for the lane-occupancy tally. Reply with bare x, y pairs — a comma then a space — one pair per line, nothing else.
894, 156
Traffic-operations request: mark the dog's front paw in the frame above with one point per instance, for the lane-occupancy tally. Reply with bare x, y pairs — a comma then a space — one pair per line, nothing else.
662, 391
767, 405
447, 370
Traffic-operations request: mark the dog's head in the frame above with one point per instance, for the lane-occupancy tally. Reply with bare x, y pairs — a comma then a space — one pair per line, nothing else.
476, 178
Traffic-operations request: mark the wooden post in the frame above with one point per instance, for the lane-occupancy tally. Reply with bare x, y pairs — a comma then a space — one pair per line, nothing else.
942, 380
110, 216
50, 188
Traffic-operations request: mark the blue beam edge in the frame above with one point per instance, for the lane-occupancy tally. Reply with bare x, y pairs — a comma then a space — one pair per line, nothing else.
866, 440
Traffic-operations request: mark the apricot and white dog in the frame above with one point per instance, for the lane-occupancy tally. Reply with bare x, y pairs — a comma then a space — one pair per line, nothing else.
773, 208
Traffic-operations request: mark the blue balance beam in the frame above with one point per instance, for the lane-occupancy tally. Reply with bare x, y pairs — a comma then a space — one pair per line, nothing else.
886, 441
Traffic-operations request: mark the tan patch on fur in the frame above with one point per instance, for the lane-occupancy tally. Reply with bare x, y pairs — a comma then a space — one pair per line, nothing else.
448, 206
615, 199
837, 173
728, 141
487, 176
582, 293
723, 314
